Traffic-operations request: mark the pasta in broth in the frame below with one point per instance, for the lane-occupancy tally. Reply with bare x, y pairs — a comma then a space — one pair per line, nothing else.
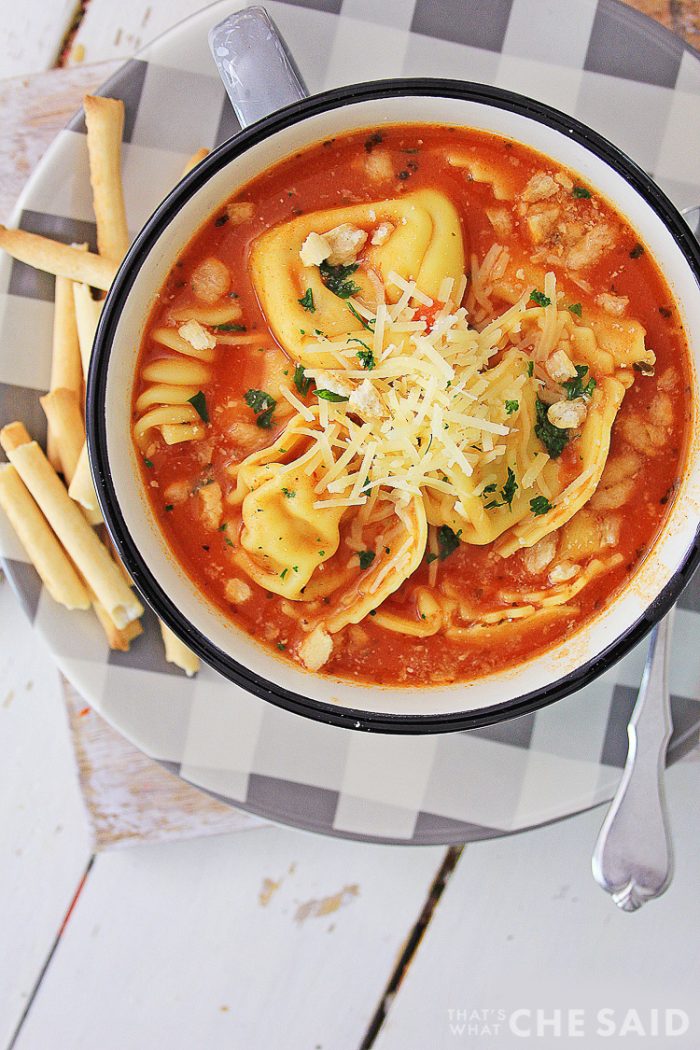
413, 406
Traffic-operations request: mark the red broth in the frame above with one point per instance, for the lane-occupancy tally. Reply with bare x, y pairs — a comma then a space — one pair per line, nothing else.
335, 173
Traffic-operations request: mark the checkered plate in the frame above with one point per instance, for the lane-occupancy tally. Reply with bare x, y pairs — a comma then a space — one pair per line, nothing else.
617, 71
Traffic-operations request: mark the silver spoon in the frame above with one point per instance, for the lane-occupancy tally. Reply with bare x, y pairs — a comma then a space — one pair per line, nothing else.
633, 857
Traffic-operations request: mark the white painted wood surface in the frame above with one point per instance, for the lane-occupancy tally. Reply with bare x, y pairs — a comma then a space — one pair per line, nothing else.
44, 845
32, 34
272, 939
522, 924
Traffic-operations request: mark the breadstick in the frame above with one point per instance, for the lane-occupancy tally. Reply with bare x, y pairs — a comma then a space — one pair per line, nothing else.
104, 119
81, 543
62, 410
176, 652
117, 638
194, 160
87, 314
66, 367
45, 552
82, 489
60, 259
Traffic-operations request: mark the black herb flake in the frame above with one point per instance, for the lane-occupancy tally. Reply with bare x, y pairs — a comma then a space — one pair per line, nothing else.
374, 140
221, 220
199, 403
148, 463
637, 251
575, 308
553, 438
168, 506
581, 192
337, 279
330, 395
307, 301
576, 388
531, 368
229, 328
430, 558
228, 542
369, 325
540, 505
263, 404
301, 382
540, 298
366, 559
664, 311
511, 407
403, 175
223, 527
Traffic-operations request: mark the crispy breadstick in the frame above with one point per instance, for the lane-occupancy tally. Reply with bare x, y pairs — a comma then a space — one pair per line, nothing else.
81, 543
87, 314
176, 652
66, 367
82, 489
61, 259
62, 410
194, 160
45, 552
104, 119
117, 638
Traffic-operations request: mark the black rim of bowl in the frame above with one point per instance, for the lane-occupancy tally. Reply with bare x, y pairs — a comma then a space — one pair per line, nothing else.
144, 580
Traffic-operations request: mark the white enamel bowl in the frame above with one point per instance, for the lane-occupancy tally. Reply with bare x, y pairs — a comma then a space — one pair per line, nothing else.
573, 661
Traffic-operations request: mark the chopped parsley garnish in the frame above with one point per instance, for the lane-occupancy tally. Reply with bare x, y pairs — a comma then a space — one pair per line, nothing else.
366, 559
228, 542
199, 403
448, 541
289, 493
223, 527
488, 489
581, 192
575, 308
553, 438
430, 558
531, 368
375, 138
337, 279
540, 298
229, 328
330, 395
576, 388
283, 573
263, 404
307, 301
168, 506
148, 463
637, 251
301, 382
368, 324
540, 505
366, 357
281, 646
511, 407
507, 492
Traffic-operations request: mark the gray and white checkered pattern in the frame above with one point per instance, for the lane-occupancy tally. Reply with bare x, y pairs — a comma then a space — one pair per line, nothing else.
602, 62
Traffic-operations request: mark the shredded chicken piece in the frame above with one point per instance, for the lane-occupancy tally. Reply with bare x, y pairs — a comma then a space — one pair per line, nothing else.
346, 243
501, 221
240, 211
566, 570
177, 491
612, 304
539, 188
237, 591
378, 165
196, 335
567, 414
366, 402
210, 280
316, 650
382, 233
668, 379
538, 557
542, 221
564, 181
590, 248
211, 504
560, 366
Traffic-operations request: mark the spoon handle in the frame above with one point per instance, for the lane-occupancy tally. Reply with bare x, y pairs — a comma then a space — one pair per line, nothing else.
254, 63
632, 859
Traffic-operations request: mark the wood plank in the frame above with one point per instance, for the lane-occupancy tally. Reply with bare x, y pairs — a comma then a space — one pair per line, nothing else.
269, 939
522, 924
34, 110
44, 845
33, 33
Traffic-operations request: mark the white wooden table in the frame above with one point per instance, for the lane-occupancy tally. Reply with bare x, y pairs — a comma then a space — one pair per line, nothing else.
273, 938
